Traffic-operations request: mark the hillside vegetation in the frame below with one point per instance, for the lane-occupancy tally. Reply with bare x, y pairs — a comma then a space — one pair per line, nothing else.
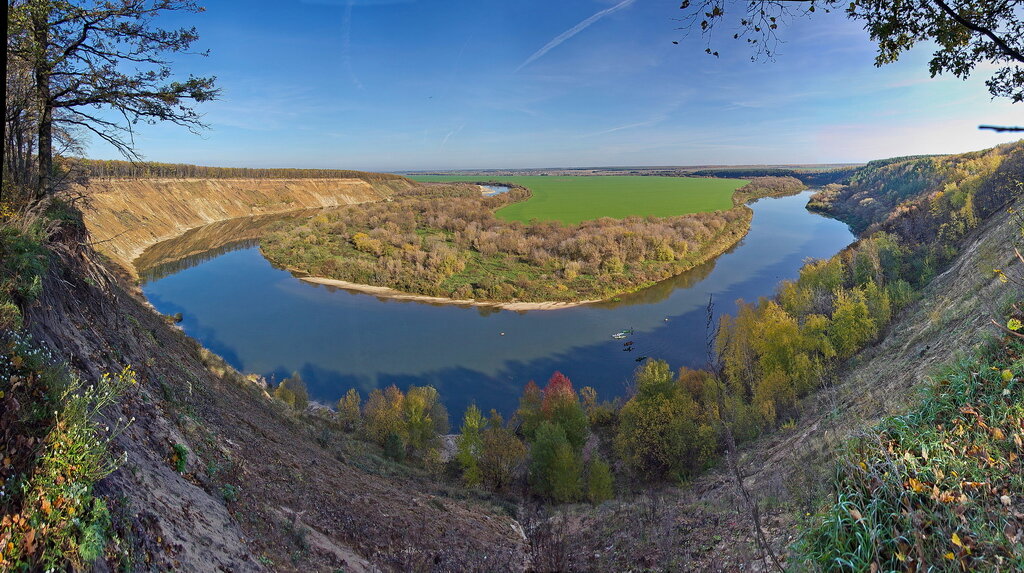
129, 446
942, 485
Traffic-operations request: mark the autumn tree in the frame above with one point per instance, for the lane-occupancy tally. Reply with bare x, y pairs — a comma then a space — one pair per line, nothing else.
292, 391
502, 454
658, 432
382, 414
852, 325
349, 414
529, 412
424, 418
102, 67
561, 406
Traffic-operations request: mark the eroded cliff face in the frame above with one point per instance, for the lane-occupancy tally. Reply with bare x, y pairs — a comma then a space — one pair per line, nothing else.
126, 216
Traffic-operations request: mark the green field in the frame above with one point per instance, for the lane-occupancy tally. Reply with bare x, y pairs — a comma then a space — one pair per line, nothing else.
571, 199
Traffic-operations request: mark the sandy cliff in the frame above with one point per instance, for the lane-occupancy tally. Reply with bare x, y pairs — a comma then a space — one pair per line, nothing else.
125, 216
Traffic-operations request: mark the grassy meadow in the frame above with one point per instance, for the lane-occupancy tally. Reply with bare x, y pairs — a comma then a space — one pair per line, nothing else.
573, 199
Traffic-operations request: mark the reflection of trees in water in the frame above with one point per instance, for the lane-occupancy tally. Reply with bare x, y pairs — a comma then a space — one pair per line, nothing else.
662, 290
199, 245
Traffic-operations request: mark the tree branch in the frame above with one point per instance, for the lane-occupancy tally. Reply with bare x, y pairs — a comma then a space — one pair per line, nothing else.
1006, 48
1000, 128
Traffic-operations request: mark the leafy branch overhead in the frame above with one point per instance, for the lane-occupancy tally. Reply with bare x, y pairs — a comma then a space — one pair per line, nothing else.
966, 33
101, 67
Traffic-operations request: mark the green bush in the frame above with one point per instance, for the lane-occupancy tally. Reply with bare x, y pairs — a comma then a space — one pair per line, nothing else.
394, 448
554, 465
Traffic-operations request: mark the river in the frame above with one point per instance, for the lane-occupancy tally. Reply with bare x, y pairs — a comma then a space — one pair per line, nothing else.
263, 320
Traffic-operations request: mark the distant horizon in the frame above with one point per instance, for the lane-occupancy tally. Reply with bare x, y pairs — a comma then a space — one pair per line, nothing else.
545, 168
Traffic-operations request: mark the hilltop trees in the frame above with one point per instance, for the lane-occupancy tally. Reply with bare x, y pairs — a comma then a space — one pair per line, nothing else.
98, 67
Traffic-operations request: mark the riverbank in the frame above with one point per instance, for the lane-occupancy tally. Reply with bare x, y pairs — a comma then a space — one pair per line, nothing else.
391, 293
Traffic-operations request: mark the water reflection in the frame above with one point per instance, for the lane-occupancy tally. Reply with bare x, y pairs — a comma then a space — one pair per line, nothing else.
263, 320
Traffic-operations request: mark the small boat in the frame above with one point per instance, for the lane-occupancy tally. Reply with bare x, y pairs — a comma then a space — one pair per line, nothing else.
622, 334
630, 343
641, 358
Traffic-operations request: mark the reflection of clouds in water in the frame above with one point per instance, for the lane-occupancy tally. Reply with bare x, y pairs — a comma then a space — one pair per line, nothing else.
269, 321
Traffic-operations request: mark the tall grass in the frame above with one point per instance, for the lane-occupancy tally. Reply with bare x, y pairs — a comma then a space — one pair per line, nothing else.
940, 488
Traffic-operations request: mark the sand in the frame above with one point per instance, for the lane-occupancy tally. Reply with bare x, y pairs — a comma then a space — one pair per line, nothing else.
399, 295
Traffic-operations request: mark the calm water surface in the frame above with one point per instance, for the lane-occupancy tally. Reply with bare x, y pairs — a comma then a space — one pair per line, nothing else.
265, 321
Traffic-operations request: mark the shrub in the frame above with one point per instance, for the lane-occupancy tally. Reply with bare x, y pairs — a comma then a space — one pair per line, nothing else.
292, 391
502, 454
554, 466
394, 448
179, 458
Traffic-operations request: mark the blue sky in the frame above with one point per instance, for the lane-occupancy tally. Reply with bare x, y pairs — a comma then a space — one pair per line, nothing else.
390, 85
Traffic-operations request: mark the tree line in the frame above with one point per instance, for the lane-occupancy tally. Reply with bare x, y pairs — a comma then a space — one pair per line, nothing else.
114, 169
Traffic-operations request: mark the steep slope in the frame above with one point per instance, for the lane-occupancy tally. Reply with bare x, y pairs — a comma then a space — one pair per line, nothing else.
125, 216
260, 487
707, 526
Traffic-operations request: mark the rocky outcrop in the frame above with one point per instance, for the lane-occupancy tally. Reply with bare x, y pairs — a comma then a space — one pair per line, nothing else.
126, 216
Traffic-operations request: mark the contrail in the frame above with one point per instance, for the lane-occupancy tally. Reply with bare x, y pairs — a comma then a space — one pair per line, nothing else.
573, 31
346, 42
451, 133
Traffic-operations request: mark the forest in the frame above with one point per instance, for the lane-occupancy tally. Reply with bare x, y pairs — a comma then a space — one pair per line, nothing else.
444, 240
